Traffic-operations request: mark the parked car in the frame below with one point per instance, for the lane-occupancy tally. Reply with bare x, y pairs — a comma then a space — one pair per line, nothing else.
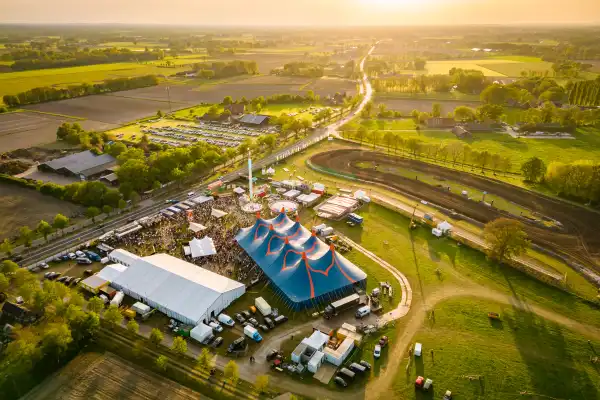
246, 314
238, 317
269, 323
281, 319
363, 312
347, 373
365, 364
248, 323
338, 380
44, 265
76, 281
427, 385
62, 279
218, 341
216, 327
68, 280
92, 256
355, 367
66, 257
83, 261
419, 382
263, 327
72, 256
88, 272
447, 395
237, 344
54, 275
253, 321
80, 253
190, 194
383, 341
377, 351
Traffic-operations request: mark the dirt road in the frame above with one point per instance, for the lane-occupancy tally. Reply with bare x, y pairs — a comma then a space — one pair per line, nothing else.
578, 238
379, 388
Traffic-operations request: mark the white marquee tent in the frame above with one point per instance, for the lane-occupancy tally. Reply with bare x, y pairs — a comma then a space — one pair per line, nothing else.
202, 247
179, 289
196, 227
215, 212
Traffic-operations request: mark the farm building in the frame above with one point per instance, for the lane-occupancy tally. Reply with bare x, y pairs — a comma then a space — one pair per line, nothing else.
305, 271
179, 289
111, 179
84, 165
254, 120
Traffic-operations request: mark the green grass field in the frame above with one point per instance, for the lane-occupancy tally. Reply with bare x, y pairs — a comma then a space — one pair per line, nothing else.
441, 96
16, 82
508, 66
585, 147
520, 353
294, 108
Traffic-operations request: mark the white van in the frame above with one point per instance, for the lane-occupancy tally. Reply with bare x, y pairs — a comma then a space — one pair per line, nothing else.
418, 349
215, 326
363, 312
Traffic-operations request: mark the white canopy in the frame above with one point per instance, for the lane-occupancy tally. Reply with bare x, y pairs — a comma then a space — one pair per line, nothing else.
239, 190
177, 288
195, 227
110, 272
217, 213
202, 247
270, 171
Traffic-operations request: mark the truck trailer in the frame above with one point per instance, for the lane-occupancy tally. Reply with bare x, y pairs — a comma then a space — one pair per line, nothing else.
336, 307
262, 306
252, 333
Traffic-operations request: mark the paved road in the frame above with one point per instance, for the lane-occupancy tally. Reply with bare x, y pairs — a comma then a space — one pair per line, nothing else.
151, 207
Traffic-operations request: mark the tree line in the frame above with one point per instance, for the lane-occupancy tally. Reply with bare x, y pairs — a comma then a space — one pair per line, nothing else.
577, 180
26, 60
222, 69
455, 153
44, 94
585, 93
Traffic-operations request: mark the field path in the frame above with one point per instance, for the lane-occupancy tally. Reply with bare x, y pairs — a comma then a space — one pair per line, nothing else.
379, 388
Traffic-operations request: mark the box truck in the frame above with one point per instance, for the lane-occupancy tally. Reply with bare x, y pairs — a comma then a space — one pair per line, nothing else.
262, 306
336, 307
252, 333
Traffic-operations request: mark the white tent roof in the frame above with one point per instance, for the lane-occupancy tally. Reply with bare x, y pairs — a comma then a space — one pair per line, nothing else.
195, 227
202, 247
180, 286
317, 340
217, 213
239, 190
123, 257
270, 171
110, 272
202, 199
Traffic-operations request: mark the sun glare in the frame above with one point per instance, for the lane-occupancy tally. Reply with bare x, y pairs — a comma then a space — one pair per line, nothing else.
395, 4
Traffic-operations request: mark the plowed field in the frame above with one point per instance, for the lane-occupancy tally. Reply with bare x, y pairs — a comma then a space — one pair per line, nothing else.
108, 377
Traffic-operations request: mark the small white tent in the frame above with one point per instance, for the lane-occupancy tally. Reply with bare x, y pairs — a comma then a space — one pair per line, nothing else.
196, 227
202, 247
445, 227
217, 213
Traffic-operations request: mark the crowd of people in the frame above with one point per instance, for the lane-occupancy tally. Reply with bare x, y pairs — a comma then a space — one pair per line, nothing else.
170, 235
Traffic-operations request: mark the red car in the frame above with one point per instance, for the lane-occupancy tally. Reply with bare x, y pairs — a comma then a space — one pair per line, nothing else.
419, 382
383, 341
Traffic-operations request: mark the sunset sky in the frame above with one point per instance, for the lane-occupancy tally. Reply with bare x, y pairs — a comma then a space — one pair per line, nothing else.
302, 12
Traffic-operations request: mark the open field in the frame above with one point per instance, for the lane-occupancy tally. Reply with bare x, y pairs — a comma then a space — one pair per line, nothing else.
492, 67
107, 377
21, 206
577, 221
520, 353
15, 82
106, 110
24, 129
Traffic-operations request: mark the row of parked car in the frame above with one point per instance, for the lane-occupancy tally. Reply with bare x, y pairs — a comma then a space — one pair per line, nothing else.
348, 374
67, 280
84, 257
245, 318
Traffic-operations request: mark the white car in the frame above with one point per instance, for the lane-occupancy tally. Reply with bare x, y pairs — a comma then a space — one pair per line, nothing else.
44, 265
190, 194
72, 256
377, 351
80, 253
216, 326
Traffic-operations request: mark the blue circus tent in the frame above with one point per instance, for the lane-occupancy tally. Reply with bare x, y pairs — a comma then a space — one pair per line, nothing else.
304, 270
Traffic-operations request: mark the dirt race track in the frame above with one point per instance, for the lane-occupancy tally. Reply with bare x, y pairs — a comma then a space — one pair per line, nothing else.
578, 238
98, 376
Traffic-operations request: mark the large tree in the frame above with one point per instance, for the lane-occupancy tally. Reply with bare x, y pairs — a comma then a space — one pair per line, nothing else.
533, 169
232, 372
505, 238
45, 229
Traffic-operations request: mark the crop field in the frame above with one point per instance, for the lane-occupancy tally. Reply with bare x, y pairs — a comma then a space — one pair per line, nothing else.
24, 129
492, 67
15, 82
21, 206
106, 377
106, 110
477, 358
